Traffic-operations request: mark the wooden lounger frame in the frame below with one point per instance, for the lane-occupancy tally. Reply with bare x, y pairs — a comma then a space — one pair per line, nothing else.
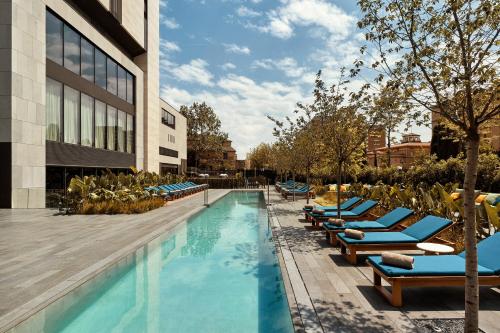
352, 257
395, 295
315, 222
309, 194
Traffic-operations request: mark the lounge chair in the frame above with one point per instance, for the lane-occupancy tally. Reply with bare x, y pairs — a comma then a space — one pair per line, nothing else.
421, 231
303, 191
437, 271
357, 213
348, 204
387, 222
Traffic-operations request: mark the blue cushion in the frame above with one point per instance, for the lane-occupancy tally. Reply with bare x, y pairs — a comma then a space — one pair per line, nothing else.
447, 265
380, 237
427, 227
394, 217
488, 251
364, 207
364, 225
349, 203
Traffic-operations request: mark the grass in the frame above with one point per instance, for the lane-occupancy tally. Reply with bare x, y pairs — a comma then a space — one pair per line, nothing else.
118, 207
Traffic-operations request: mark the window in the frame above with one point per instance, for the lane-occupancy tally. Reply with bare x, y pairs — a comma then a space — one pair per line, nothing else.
100, 124
122, 121
168, 152
86, 114
112, 80
111, 138
168, 119
54, 36
100, 69
53, 110
71, 50
115, 7
130, 88
87, 60
71, 106
122, 83
130, 133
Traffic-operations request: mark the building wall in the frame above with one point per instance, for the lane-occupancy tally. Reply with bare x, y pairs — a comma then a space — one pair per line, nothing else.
179, 133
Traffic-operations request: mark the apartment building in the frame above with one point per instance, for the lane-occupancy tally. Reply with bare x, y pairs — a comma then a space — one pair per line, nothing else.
79, 93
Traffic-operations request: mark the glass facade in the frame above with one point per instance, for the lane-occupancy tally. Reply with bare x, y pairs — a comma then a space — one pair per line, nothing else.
100, 125
87, 60
130, 133
112, 76
68, 48
71, 50
122, 83
121, 131
111, 128
54, 38
87, 112
71, 123
53, 106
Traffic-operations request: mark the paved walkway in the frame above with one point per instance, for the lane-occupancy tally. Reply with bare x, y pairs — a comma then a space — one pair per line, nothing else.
343, 297
40, 252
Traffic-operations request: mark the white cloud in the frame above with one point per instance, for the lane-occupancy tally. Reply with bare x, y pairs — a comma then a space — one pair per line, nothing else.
168, 47
233, 48
228, 66
242, 104
320, 13
194, 72
170, 22
287, 65
244, 11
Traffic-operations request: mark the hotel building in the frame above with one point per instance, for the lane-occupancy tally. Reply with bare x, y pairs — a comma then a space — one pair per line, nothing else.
79, 93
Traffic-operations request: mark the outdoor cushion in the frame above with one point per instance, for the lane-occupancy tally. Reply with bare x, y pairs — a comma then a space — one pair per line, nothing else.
488, 251
394, 217
493, 198
364, 207
427, 227
345, 205
355, 225
446, 265
380, 237
480, 198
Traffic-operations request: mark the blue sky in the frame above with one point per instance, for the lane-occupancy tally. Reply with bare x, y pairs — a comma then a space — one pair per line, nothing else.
252, 58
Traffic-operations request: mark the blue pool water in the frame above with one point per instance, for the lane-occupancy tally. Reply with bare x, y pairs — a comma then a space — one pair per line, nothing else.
216, 273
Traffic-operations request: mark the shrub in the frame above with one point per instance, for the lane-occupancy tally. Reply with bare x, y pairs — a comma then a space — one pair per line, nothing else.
118, 207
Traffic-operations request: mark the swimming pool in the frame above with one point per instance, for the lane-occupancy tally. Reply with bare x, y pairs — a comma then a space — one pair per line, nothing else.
216, 273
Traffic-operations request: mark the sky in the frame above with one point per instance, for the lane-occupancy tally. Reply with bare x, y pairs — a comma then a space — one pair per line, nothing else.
252, 58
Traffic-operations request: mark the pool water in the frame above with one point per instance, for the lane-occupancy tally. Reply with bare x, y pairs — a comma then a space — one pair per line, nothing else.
216, 273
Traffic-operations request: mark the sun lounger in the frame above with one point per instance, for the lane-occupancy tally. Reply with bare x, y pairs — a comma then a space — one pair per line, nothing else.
346, 205
437, 271
387, 222
357, 213
421, 231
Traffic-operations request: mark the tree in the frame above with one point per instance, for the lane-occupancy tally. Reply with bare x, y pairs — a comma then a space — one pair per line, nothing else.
261, 156
347, 118
203, 130
444, 54
392, 109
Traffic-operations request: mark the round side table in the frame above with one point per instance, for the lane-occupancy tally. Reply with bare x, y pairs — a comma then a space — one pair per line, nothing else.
435, 248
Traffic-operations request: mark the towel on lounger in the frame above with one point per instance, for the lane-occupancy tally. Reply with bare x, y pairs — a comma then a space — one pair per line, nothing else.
356, 234
318, 211
397, 260
336, 222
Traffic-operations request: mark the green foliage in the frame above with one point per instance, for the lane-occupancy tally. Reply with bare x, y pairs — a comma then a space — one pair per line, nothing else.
113, 194
429, 171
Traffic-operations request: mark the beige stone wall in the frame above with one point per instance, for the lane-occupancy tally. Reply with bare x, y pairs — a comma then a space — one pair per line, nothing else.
150, 64
180, 134
26, 77
132, 19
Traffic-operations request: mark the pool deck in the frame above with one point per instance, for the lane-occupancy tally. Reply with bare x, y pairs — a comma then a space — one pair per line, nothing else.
340, 297
43, 256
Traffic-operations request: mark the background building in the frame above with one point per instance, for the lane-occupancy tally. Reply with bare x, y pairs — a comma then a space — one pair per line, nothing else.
215, 160
403, 154
79, 93
173, 140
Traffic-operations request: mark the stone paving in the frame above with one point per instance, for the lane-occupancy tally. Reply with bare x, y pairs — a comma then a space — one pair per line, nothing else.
342, 295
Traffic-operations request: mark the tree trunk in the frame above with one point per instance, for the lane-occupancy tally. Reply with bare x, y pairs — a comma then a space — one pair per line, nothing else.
339, 177
471, 281
293, 187
389, 148
307, 183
